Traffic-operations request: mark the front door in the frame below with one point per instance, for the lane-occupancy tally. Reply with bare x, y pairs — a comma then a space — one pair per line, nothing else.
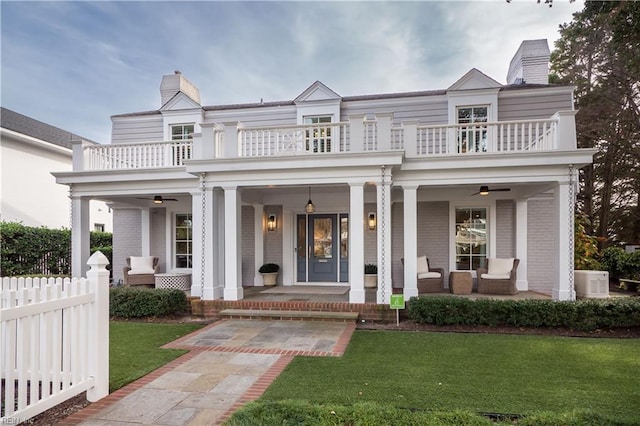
320, 253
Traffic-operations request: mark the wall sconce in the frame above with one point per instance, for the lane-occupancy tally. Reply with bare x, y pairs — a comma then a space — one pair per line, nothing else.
271, 223
371, 221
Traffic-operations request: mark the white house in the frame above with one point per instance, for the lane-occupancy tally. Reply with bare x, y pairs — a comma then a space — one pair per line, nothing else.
29, 151
390, 177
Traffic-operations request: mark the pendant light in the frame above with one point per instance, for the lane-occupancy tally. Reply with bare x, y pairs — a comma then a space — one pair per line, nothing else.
309, 208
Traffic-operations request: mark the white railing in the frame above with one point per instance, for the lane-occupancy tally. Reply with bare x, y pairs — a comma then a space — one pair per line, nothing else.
502, 136
138, 156
54, 341
283, 140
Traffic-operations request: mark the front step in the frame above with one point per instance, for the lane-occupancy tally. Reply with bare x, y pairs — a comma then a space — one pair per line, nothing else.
275, 314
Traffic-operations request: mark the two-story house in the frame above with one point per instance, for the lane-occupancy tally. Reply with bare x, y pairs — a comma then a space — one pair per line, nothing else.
323, 184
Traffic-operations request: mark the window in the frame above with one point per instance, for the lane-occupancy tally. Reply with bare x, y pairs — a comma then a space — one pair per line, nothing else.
471, 238
180, 132
472, 138
98, 227
183, 240
318, 139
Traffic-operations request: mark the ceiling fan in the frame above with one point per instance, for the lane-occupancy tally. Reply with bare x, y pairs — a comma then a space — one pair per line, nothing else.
157, 199
485, 190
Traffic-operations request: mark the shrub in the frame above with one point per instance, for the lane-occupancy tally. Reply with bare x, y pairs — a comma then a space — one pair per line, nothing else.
621, 264
131, 302
269, 268
583, 315
370, 268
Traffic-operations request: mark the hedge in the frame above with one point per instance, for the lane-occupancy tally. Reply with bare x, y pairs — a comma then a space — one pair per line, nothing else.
583, 315
28, 250
132, 302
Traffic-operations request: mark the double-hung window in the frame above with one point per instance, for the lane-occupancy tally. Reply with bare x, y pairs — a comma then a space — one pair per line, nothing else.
180, 132
472, 137
470, 238
318, 133
183, 240
181, 152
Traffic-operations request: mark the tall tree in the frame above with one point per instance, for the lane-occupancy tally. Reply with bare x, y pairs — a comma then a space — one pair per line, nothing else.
599, 53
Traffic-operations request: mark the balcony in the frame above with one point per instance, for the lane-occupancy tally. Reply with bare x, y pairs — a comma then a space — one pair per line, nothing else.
359, 134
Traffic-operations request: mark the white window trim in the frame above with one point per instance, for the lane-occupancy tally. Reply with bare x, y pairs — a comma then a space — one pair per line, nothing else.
172, 241
490, 205
316, 109
488, 98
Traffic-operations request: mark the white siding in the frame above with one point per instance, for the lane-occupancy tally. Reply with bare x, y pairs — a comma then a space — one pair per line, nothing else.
273, 242
530, 106
158, 236
505, 229
255, 117
146, 128
248, 242
425, 110
540, 245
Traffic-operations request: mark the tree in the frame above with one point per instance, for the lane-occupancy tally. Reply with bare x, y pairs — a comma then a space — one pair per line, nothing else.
598, 52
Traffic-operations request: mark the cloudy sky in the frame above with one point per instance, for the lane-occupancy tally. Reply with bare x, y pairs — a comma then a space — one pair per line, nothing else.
74, 64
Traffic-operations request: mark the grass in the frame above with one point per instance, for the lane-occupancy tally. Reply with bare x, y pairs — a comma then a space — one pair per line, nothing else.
480, 373
134, 349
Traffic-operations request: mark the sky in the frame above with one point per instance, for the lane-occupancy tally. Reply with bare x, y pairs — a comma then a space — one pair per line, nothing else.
75, 64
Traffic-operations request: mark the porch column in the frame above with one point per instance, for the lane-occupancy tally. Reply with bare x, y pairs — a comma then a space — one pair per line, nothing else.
383, 189
258, 211
356, 243
562, 288
522, 282
410, 212
204, 262
232, 244
80, 242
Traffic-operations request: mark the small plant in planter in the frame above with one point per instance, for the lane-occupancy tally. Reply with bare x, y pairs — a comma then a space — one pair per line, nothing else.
370, 275
269, 273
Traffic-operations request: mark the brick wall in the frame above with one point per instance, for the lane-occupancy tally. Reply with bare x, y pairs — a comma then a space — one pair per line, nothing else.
540, 245
126, 238
273, 241
248, 244
158, 236
505, 229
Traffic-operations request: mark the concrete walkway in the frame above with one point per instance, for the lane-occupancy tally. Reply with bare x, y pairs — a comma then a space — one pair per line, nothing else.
230, 363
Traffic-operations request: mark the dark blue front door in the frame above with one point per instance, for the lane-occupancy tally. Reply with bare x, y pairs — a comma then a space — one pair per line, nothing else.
322, 248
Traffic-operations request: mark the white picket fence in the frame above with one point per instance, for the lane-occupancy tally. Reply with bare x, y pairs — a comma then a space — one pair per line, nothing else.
55, 341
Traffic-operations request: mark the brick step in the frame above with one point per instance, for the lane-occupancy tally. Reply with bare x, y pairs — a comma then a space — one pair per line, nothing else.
277, 314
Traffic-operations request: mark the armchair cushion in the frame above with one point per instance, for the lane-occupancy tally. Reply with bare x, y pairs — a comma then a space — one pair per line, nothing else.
495, 276
141, 265
422, 275
422, 265
500, 267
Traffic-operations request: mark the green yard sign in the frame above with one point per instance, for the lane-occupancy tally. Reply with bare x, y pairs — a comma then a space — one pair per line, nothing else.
397, 301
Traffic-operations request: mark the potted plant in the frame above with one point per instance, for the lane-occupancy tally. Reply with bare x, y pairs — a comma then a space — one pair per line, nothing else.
370, 275
269, 273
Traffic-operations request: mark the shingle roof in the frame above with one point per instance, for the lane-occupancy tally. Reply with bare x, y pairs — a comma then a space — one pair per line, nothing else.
36, 129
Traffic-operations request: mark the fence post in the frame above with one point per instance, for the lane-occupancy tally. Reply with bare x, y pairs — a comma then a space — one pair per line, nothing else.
98, 277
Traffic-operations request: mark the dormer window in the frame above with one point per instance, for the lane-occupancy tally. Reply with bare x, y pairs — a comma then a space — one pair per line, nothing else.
472, 138
180, 132
318, 138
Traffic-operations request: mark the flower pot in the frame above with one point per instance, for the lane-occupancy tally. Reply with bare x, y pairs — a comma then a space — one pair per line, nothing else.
269, 278
370, 280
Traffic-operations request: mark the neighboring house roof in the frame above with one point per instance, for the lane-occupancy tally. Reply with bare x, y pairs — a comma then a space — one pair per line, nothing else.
28, 126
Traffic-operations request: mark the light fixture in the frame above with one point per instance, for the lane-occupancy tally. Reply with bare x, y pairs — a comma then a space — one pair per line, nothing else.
309, 208
157, 199
271, 223
484, 190
371, 221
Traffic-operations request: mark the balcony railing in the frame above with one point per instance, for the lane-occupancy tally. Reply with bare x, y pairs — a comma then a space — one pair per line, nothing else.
359, 134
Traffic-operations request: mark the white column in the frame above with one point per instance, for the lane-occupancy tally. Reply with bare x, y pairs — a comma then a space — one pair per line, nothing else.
145, 231
385, 287
522, 282
564, 242
258, 224
80, 242
230, 147
384, 131
356, 243
410, 130
410, 212
203, 282
232, 245
356, 133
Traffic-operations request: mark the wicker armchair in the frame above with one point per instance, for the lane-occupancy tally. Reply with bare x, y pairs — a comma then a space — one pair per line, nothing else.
491, 283
429, 283
142, 277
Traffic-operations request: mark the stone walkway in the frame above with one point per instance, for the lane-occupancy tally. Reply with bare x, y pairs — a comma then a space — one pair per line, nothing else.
230, 363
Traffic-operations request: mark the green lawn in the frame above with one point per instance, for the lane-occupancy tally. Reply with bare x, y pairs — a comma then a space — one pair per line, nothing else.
481, 373
135, 349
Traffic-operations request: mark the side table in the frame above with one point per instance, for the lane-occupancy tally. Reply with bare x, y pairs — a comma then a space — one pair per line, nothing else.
460, 282
178, 281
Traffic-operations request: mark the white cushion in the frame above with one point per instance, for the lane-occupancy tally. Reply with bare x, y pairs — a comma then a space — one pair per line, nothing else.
429, 275
495, 277
422, 265
500, 266
141, 265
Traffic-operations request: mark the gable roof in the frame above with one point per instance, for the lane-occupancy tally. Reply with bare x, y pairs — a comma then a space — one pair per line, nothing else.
318, 91
28, 126
475, 79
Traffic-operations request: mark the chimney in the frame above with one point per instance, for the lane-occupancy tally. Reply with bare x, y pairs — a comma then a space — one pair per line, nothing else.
530, 64
174, 83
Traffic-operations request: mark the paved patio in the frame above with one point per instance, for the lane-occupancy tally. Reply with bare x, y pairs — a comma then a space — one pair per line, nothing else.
230, 363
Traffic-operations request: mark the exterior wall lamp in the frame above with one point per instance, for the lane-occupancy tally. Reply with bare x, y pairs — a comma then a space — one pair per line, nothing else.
371, 221
272, 224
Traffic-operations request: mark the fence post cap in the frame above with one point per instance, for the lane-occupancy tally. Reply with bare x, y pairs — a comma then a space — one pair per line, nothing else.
97, 259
